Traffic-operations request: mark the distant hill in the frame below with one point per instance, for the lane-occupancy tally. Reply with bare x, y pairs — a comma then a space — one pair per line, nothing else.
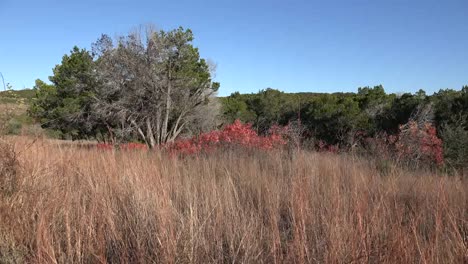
16, 102
12, 96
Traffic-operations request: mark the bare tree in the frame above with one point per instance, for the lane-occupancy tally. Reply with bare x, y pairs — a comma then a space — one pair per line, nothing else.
151, 83
205, 118
423, 114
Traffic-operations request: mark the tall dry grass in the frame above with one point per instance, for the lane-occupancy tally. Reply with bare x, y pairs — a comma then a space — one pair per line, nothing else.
72, 205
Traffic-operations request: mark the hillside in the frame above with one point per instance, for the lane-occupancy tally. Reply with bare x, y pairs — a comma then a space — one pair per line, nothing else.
13, 108
12, 96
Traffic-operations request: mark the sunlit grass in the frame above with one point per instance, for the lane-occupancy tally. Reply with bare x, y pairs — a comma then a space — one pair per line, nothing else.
72, 204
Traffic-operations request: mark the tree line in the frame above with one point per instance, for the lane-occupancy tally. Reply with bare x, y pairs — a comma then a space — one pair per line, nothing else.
342, 119
335, 117
153, 87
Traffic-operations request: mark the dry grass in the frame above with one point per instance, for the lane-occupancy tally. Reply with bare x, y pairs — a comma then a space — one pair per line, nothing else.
74, 205
15, 109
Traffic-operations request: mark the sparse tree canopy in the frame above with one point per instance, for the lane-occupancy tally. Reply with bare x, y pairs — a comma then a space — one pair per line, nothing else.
151, 83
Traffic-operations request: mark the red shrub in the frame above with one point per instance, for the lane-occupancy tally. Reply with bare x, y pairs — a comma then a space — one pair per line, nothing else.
236, 134
133, 146
105, 146
419, 144
414, 145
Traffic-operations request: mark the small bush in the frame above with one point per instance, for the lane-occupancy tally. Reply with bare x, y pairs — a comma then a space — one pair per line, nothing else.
14, 127
415, 146
418, 145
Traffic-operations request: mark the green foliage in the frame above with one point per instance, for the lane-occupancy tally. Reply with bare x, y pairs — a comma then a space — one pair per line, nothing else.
455, 139
152, 85
13, 116
376, 107
64, 105
235, 107
13, 96
18, 122
269, 106
397, 112
335, 118
155, 88
10, 107
371, 97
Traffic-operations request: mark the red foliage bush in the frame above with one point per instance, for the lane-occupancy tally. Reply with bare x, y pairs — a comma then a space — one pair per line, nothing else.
104, 146
236, 134
419, 144
133, 146
414, 145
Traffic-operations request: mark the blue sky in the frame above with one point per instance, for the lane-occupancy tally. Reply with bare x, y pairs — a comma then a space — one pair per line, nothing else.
315, 46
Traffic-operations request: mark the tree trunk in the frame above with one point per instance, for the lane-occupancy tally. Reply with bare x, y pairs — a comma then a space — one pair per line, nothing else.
149, 134
158, 126
143, 136
164, 131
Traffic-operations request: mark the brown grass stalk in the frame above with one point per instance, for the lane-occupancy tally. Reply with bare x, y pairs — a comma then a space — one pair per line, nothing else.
82, 205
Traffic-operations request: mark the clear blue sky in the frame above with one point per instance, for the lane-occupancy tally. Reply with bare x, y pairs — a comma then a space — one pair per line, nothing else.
318, 46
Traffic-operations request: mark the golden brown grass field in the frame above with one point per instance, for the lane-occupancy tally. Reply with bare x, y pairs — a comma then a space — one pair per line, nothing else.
65, 204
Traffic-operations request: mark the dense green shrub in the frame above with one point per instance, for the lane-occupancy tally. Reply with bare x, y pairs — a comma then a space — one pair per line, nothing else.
455, 138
